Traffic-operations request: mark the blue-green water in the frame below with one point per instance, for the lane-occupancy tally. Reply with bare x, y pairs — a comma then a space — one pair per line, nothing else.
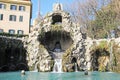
59, 76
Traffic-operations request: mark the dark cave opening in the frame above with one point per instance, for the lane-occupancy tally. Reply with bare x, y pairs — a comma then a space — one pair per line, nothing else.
99, 58
56, 19
12, 54
56, 40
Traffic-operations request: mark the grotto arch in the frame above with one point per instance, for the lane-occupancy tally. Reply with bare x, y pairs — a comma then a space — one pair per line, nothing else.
56, 39
100, 60
4, 68
22, 66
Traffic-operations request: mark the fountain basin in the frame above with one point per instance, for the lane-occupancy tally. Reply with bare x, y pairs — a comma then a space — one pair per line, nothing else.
60, 76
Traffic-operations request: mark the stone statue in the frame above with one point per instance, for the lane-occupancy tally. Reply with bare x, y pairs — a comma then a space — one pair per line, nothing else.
57, 7
57, 47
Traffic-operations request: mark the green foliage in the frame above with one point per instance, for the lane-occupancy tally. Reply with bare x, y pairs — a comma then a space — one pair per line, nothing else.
66, 58
116, 58
100, 53
12, 35
102, 68
31, 68
56, 27
103, 48
103, 45
105, 21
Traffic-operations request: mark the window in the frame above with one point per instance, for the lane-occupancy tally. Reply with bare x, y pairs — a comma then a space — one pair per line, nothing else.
12, 18
2, 6
11, 31
21, 18
1, 30
1, 16
20, 32
13, 7
21, 8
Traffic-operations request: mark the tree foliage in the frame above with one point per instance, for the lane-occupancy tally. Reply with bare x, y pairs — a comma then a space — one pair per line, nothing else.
98, 17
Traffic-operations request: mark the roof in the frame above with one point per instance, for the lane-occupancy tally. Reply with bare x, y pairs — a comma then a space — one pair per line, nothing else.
24, 2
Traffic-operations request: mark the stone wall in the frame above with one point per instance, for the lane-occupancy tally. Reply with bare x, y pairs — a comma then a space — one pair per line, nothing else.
102, 54
13, 54
87, 54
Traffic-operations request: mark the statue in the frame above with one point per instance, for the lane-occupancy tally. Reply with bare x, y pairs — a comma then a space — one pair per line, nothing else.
57, 7
57, 47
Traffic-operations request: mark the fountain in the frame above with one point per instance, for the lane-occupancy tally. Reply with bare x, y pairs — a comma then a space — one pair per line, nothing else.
35, 68
57, 65
56, 44
57, 58
59, 41
76, 68
58, 48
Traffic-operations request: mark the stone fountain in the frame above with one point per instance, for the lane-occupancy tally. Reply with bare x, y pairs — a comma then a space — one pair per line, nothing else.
56, 42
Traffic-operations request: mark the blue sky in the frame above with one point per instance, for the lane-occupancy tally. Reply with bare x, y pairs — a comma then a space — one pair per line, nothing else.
45, 6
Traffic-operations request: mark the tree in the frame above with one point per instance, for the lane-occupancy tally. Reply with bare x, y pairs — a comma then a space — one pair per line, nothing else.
96, 16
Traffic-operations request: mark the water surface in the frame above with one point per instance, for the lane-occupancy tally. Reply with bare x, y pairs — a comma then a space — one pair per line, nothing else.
60, 76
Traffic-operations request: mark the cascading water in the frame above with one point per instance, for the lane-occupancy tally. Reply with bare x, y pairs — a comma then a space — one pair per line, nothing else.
57, 66
76, 68
35, 68
57, 58
57, 62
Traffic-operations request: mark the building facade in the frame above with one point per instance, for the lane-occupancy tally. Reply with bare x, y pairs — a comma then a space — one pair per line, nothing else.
15, 16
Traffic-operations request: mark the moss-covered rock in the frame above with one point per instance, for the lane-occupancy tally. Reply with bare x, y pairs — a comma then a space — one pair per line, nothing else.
116, 58
67, 63
100, 56
103, 63
56, 27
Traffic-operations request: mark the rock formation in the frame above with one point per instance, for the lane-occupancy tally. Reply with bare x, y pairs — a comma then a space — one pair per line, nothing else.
56, 28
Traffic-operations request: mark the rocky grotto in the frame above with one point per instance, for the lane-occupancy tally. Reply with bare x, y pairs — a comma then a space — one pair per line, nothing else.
57, 44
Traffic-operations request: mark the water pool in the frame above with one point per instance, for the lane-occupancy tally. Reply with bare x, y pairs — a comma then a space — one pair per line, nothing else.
60, 76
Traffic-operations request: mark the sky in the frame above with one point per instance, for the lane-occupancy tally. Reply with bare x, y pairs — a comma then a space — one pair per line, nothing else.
45, 6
